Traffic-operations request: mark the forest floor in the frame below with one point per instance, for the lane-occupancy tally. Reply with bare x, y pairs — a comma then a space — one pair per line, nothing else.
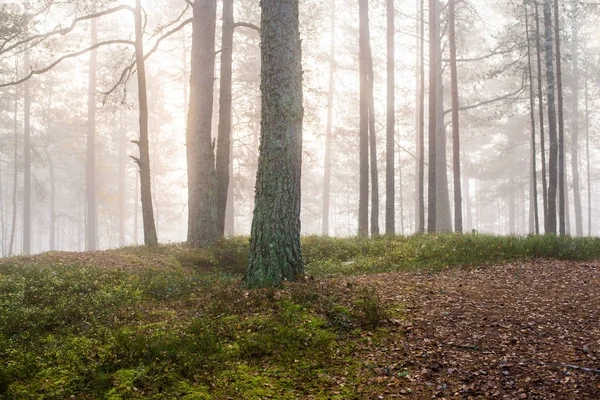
509, 318
524, 330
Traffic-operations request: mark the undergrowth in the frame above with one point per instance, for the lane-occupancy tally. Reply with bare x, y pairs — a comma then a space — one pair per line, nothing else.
172, 322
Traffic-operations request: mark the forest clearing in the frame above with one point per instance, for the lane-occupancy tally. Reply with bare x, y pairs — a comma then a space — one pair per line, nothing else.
172, 322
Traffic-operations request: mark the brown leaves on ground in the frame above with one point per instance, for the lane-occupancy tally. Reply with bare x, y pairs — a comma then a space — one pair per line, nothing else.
527, 330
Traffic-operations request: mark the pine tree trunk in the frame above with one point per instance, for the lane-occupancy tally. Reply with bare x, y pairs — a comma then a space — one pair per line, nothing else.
458, 218
91, 231
122, 173
52, 234
575, 123
550, 92
534, 224
275, 253
203, 216
26, 162
390, 208
13, 225
143, 162
372, 144
224, 138
541, 116
587, 148
328, 133
561, 126
363, 201
420, 192
433, 59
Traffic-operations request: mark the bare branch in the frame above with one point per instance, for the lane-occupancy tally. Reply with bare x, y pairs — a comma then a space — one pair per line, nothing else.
64, 31
489, 101
246, 25
66, 56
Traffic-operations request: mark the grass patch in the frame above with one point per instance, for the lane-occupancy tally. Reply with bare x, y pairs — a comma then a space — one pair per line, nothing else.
172, 322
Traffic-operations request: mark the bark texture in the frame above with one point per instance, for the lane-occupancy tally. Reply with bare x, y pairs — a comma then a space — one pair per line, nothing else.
275, 253
202, 180
420, 190
432, 170
458, 217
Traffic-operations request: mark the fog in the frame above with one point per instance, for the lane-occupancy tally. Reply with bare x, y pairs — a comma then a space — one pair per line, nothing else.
70, 114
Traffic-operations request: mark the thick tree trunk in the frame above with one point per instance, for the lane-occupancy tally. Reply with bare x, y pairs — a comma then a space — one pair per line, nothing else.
458, 218
575, 123
224, 138
143, 162
534, 222
433, 59
275, 253
420, 120
203, 227
363, 201
541, 116
26, 163
561, 126
550, 92
91, 230
122, 173
390, 196
328, 129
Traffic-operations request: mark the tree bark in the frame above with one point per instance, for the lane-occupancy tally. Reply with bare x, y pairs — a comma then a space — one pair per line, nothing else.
561, 126
433, 59
91, 230
363, 201
143, 162
328, 131
224, 129
550, 92
13, 225
541, 116
458, 218
203, 227
275, 253
390, 195
534, 222
372, 143
587, 148
575, 123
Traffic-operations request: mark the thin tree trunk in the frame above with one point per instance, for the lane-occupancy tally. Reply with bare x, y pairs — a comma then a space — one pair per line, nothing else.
575, 123
561, 126
534, 224
15, 175
136, 201
541, 116
458, 218
275, 253
390, 214
143, 162
224, 128
467, 196
203, 218
328, 131
91, 230
401, 186
52, 235
553, 159
363, 202
373, 145
587, 149
122, 173
230, 210
420, 197
26, 163
433, 59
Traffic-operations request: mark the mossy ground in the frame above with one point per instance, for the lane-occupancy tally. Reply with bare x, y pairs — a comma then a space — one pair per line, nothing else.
172, 322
